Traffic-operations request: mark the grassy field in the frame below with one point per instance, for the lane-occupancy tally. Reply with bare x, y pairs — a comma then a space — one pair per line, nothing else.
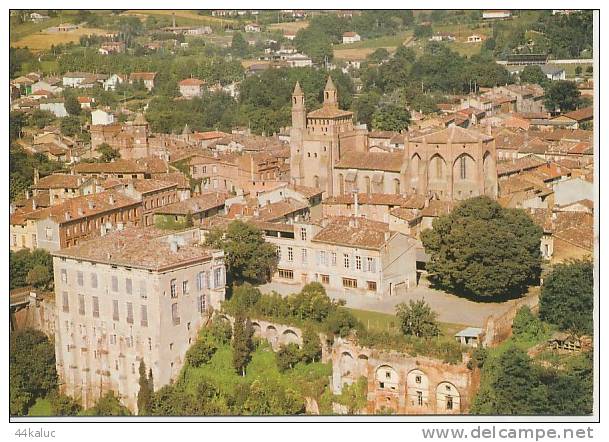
293, 26
41, 41
42, 407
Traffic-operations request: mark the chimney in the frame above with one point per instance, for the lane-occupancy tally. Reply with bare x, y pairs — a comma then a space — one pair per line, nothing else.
111, 200
27, 194
67, 216
36, 176
356, 201
34, 205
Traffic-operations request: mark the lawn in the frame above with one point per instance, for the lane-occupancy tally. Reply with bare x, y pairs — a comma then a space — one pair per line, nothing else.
40, 41
386, 322
42, 407
380, 42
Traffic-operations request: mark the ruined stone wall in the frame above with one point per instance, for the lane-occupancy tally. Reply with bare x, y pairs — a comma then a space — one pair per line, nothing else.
498, 328
403, 384
38, 314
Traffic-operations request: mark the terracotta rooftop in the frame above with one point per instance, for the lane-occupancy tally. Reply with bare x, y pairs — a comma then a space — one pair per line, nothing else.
195, 205
352, 232
174, 177
307, 192
142, 186
59, 181
144, 248
118, 166
280, 209
192, 82
329, 112
453, 134
142, 76
437, 208
385, 161
585, 113
384, 199
84, 206
405, 213
518, 165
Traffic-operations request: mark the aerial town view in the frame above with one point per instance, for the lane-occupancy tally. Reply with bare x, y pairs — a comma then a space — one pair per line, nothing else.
302, 212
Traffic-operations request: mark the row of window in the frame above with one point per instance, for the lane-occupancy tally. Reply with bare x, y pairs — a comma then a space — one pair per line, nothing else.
201, 305
325, 279
324, 258
215, 279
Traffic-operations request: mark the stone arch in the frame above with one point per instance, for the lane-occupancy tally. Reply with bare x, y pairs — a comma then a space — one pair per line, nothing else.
416, 173
257, 329
271, 331
396, 186
448, 398
465, 177
289, 336
437, 175
386, 378
417, 388
489, 171
362, 363
347, 367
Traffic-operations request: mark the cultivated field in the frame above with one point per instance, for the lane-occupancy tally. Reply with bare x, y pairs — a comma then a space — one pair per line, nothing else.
361, 49
190, 16
293, 26
41, 40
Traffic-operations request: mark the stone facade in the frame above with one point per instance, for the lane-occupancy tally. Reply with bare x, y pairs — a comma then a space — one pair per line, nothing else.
128, 297
404, 384
330, 153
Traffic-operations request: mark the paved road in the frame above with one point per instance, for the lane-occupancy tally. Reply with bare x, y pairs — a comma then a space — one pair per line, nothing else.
450, 308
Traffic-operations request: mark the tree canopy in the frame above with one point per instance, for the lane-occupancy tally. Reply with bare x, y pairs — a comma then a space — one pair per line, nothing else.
248, 257
567, 297
418, 319
483, 250
562, 95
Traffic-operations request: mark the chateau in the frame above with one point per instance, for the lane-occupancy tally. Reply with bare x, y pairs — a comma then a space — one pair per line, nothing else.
331, 153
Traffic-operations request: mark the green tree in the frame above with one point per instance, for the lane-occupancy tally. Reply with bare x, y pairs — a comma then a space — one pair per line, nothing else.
365, 107
533, 74
32, 371
201, 352
391, 117
578, 70
72, 105
311, 345
40, 277
379, 55
23, 261
145, 392
249, 258
528, 327
562, 95
221, 330
239, 46
340, 322
17, 120
269, 397
108, 405
62, 405
108, 154
243, 345
567, 296
354, 396
483, 250
423, 31
70, 126
41, 118
417, 319
511, 387
288, 356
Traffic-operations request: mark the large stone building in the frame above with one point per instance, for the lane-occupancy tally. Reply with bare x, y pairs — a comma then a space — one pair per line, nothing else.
345, 254
329, 152
131, 296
